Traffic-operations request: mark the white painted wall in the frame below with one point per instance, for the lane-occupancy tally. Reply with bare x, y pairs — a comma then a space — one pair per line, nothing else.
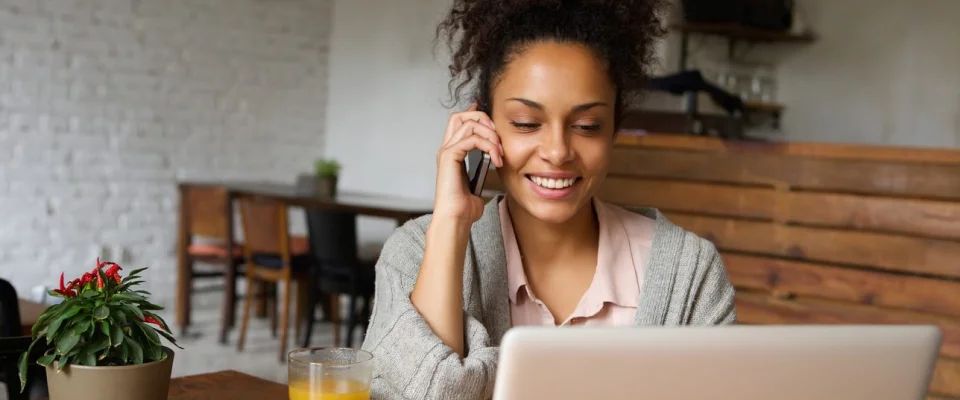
104, 104
882, 72
387, 91
885, 72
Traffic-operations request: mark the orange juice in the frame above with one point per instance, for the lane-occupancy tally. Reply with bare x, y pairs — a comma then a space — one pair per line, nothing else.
332, 389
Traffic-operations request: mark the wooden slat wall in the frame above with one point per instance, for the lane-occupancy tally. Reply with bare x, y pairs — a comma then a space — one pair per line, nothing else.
814, 233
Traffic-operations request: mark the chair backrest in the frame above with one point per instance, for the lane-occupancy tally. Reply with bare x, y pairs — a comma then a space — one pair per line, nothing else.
265, 227
10, 324
206, 211
333, 234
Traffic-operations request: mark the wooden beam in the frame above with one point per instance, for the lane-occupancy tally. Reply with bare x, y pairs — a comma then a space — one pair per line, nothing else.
784, 278
876, 250
909, 216
804, 149
946, 377
933, 181
761, 309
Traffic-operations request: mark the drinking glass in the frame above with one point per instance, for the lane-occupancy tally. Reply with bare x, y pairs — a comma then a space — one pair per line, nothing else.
329, 373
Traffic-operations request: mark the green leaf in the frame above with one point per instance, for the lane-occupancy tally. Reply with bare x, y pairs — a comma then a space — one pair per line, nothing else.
101, 313
63, 362
89, 294
105, 328
127, 285
88, 359
22, 365
67, 343
54, 326
153, 352
169, 338
44, 320
119, 317
150, 333
46, 360
150, 307
79, 328
162, 322
125, 352
136, 352
116, 336
133, 309
98, 345
135, 273
128, 297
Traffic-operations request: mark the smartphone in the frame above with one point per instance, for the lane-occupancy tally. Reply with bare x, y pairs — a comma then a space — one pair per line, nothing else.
478, 161
477, 166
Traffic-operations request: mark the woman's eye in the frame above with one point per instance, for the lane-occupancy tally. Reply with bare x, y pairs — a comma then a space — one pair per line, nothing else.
589, 128
525, 126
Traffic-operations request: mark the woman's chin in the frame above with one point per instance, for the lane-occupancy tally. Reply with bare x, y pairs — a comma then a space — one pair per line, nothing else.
552, 212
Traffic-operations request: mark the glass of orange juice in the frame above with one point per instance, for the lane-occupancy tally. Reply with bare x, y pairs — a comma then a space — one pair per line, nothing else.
329, 373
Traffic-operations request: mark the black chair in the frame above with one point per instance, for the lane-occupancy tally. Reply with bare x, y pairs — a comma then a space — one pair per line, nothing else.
12, 345
338, 268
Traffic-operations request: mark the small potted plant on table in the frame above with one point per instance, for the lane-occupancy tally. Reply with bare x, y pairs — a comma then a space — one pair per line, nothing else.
103, 340
327, 172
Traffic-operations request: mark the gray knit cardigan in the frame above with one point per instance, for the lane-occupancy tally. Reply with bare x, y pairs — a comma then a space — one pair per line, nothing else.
685, 283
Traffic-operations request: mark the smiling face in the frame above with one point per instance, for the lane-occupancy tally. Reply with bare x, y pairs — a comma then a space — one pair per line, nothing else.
553, 108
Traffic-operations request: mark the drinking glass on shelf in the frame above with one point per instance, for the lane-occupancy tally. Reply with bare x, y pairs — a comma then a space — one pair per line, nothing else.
329, 374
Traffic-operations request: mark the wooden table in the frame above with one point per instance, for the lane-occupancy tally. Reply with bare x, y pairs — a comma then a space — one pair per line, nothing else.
396, 208
225, 385
393, 207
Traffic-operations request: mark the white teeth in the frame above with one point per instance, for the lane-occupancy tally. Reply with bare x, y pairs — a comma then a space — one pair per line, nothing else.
553, 183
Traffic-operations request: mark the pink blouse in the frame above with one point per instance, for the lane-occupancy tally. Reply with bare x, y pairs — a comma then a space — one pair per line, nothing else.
613, 296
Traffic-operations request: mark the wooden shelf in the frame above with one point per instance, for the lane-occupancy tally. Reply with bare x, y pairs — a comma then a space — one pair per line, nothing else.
738, 32
763, 107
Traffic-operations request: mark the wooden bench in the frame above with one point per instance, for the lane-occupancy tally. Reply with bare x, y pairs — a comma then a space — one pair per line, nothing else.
814, 233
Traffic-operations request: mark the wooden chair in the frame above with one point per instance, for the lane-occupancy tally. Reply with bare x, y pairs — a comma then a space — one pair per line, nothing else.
206, 212
270, 258
12, 345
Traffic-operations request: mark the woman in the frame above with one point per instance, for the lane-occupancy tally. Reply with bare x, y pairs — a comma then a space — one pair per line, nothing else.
552, 79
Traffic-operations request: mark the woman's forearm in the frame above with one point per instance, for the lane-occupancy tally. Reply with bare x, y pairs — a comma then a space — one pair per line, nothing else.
438, 292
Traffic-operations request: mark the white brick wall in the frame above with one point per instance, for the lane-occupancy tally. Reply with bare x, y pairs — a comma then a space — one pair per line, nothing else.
104, 104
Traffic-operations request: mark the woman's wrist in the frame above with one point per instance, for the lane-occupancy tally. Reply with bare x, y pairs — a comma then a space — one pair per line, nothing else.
449, 227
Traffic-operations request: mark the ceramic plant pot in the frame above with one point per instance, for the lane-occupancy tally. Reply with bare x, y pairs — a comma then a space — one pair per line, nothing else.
150, 381
326, 186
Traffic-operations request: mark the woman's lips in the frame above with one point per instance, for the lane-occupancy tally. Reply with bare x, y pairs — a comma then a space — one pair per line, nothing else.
553, 186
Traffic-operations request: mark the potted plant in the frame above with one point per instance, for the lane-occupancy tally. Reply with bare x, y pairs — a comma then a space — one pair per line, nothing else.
103, 340
327, 172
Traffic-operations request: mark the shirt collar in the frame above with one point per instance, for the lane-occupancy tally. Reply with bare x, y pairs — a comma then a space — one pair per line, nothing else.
615, 280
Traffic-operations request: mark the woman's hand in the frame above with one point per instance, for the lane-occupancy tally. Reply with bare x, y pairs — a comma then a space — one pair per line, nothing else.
466, 131
438, 293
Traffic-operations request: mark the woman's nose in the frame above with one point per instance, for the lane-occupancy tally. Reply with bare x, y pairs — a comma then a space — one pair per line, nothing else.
555, 147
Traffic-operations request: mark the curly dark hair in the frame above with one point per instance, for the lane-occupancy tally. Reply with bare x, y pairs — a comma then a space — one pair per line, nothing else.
482, 35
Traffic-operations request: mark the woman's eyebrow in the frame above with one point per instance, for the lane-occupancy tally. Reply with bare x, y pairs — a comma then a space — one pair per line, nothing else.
538, 106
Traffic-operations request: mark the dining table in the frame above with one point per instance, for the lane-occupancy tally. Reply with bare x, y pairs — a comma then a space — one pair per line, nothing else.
225, 385
397, 208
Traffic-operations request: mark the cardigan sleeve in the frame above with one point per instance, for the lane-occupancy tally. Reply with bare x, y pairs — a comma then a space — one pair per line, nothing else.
410, 361
713, 294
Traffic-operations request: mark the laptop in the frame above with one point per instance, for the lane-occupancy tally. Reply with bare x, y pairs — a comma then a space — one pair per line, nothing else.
885, 362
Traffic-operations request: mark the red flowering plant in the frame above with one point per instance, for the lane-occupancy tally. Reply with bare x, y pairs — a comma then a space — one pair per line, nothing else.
102, 321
